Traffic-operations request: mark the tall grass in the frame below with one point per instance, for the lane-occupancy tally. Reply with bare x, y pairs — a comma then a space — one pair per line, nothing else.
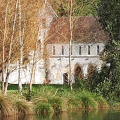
10, 106
43, 108
88, 100
49, 98
62, 99
24, 107
6, 107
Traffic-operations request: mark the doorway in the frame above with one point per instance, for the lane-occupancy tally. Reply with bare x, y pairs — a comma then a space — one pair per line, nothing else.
65, 78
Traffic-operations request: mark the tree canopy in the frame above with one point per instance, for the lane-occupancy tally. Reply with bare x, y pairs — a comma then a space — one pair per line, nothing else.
109, 17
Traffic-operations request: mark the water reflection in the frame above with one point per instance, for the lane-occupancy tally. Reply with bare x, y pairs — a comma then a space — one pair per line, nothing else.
27, 117
74, 115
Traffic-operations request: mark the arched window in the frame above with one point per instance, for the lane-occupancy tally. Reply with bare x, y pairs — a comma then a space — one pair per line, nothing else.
78, 72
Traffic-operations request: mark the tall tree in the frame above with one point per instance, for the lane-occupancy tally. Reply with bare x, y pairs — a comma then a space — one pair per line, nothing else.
109, 14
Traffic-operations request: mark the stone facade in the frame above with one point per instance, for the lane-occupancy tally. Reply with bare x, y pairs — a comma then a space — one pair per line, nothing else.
82, 55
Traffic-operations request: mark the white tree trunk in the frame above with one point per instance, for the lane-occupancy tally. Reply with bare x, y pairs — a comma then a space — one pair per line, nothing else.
70, 45
21, 51
10, 51
33, 69
3, 66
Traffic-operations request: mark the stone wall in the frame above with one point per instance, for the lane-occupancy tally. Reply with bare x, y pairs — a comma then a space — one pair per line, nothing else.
58, 63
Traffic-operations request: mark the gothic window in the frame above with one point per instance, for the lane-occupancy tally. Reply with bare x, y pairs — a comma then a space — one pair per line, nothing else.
62, 50
98, 50
79, 50
53, 50
88, 49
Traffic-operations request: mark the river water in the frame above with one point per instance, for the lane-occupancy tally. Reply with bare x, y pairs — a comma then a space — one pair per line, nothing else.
74, 115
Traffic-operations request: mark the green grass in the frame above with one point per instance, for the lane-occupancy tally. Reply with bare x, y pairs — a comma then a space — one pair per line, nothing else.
53, 98
88, 100
43, 107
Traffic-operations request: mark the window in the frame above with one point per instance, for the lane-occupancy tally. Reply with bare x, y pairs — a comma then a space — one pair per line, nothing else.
62, 50
88, 49
53, 50
79, 50
98, 50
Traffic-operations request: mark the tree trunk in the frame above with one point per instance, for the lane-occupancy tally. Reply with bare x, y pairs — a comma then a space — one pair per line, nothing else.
3, 65
21, 51
33, 69
70, 46
10, 51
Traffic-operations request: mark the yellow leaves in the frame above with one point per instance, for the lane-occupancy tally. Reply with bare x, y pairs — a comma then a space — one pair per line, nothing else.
29, 26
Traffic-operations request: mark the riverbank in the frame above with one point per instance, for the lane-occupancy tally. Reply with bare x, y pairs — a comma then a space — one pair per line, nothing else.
48, 98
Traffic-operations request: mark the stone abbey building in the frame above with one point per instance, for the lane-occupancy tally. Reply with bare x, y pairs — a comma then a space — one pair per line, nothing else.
53, 57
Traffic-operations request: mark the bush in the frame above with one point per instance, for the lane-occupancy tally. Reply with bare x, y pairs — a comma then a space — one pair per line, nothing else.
80, 84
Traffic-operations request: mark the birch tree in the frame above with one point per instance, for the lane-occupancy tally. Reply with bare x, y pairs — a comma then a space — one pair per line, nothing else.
17, 39
3, 57
10, 50
71, 37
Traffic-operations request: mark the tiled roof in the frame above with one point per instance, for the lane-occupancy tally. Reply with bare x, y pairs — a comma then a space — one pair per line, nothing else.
85, 29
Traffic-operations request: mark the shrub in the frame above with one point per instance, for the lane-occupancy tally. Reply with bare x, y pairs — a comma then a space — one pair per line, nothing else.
80, 84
